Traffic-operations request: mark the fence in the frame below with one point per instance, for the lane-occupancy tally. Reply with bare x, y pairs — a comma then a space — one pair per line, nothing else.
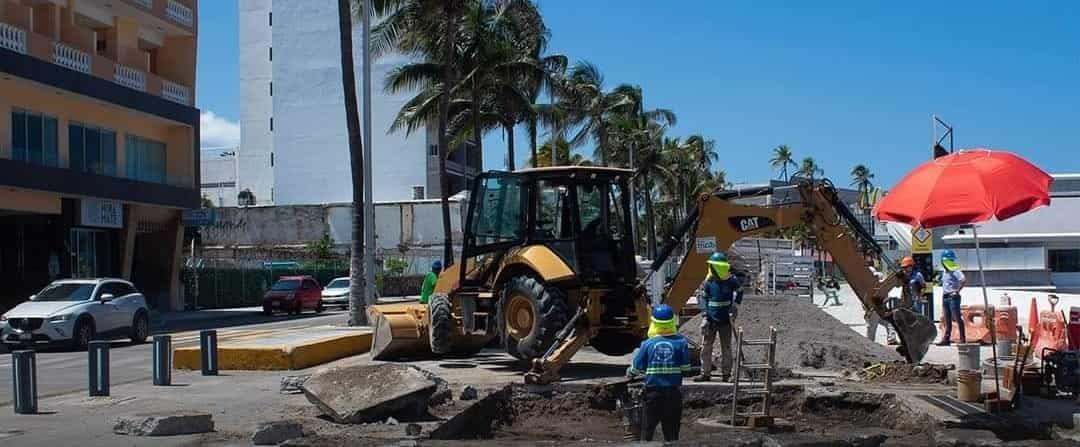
225, 283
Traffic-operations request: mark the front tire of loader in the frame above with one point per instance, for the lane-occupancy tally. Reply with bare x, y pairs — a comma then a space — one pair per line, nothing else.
531, 316
441, 325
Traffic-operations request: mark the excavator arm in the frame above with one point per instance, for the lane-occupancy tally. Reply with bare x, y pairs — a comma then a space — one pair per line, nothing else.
718, 222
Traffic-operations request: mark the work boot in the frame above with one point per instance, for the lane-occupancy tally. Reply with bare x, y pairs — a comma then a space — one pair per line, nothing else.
944, 343
702, 378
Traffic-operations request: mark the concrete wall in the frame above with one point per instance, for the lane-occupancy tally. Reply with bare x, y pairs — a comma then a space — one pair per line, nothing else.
266, 226
256, 104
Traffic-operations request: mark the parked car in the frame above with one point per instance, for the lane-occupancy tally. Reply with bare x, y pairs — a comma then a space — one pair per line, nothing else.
76, 311
292, 295
336, 293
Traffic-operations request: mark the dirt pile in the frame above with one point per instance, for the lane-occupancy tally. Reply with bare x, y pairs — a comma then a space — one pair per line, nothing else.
903, 372
807, 337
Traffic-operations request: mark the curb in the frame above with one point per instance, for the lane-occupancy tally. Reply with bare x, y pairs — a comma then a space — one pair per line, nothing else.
279, 357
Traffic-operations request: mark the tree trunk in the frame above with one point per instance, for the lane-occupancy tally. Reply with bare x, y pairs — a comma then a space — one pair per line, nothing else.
603, 145
651, 217
449, 37
532, 142
509, 129
357, 303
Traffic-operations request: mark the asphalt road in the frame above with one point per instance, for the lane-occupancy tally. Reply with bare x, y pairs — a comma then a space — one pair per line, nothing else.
63, 371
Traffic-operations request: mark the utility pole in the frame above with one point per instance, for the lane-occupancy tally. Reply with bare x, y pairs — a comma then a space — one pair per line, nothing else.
369, 206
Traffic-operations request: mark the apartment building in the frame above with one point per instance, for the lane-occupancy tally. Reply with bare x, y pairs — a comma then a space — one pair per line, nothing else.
294, 145
98, 138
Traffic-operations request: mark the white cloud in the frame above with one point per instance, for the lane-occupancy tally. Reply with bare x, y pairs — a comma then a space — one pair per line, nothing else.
218, 132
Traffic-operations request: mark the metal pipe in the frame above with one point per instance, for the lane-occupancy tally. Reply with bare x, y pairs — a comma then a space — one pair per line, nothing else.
98, 351
208, 352
162, 360
24, 375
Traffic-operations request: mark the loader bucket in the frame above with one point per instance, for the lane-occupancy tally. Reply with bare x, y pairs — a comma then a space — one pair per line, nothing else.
916, 333
399, 331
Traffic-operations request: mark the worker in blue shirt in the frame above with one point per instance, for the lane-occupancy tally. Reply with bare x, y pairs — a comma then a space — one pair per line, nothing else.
663, 358
722, 297
915, 285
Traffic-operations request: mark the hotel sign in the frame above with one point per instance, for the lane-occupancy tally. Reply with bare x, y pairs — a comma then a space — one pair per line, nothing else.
101, 213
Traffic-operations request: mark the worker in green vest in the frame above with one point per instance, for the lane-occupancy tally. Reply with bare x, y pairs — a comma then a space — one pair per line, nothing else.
430, 280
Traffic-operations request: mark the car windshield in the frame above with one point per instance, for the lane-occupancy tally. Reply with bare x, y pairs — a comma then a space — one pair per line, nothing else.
66, 292
338, 284
286, 285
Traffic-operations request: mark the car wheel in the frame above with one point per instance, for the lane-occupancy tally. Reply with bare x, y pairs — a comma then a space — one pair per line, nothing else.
140, 328
268, 311
83, 334
319, 307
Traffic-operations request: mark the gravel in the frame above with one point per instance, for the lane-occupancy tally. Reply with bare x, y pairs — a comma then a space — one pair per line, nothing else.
806, 336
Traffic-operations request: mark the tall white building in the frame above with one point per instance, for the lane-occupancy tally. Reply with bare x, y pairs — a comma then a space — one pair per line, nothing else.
294, 147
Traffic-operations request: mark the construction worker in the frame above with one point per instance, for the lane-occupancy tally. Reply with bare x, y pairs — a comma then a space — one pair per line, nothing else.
430, 280
915, 284
722, 298
952, 282
663, 358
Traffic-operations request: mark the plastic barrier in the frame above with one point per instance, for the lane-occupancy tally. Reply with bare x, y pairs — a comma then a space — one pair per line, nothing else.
1051, 332
1074, 328
976, 329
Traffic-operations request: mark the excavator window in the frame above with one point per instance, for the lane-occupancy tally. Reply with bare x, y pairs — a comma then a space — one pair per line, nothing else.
498, 214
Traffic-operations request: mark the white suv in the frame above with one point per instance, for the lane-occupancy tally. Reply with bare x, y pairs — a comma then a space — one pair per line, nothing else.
77, 311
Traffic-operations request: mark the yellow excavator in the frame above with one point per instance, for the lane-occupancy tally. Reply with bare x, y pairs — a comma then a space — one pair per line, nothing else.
548, 266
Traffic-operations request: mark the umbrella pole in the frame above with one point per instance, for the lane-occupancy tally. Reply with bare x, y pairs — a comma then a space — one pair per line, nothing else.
986, 304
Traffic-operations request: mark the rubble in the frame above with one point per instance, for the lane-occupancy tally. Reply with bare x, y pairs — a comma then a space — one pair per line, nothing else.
293, 384
184, 423
960, 437
469, 393
370, 393
274, 433
413, 430
807, 337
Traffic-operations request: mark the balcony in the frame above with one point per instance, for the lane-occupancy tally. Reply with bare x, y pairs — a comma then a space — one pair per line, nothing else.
180, 13
176, 12
69, 56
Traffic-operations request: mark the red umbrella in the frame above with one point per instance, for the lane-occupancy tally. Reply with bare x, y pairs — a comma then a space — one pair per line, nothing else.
964, 188
967, 187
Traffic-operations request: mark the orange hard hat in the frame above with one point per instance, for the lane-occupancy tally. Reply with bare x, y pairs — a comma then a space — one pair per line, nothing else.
908, 261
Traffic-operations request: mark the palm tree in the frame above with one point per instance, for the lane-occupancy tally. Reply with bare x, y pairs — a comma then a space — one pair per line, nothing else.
589, 108
357, 302
556, 152
810, 169
782, 158
861, 179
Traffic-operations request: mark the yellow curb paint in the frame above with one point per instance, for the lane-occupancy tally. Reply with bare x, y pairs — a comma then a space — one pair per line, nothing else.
280, 357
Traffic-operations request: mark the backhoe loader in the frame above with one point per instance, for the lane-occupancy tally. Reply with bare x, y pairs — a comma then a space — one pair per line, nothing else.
548, 266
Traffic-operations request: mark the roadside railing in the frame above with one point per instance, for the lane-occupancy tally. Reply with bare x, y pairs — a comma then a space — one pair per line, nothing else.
175, 92
180, 13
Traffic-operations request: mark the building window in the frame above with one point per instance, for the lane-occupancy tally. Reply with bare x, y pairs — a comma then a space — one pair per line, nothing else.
271, 159
271, 54
91, 149
271, 88
33, 138
271, 15
271, 124
433, 150
145, 160
1064, 261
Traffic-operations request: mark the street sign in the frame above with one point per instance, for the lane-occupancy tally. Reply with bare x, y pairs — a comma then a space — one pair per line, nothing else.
199, 218
922, 241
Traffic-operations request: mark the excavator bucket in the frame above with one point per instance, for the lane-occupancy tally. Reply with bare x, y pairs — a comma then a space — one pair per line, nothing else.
399, 331
916, 333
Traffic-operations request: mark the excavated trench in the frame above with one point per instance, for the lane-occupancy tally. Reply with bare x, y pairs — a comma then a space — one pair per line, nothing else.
601, 414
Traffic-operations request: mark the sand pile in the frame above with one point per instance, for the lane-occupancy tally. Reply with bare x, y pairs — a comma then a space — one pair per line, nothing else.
807, 337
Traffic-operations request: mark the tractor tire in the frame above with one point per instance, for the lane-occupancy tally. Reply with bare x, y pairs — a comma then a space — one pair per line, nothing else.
441, 325
531, 316
615, 343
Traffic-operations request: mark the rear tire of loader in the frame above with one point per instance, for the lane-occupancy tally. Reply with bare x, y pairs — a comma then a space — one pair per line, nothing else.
531, 316
441, 325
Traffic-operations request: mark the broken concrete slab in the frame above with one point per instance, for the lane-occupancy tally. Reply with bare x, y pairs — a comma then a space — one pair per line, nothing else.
959, 437
184, 423
274, 433
370, 393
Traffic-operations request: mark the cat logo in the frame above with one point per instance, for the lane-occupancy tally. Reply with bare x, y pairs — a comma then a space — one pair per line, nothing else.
746, 224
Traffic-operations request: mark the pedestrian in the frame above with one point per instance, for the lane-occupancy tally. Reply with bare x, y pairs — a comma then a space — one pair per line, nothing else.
430, 280
915, 285
663, 358
952, 282
722, 298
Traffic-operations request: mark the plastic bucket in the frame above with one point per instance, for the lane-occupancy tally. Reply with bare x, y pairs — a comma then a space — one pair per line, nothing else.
968, 357
968, 385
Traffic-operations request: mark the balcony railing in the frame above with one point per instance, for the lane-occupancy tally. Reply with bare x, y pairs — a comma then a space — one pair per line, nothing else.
180, 13
129, 77
71, 58
12, 38
175, 92
148, 4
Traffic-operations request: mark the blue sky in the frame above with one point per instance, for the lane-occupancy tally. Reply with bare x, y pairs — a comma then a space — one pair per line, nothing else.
851, 82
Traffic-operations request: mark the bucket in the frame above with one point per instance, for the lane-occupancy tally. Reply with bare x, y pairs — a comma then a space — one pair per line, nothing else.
967, 357
968, 385
1005, 348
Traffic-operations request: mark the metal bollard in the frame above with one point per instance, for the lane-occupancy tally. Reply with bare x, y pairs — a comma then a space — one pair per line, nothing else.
24, 371
162, 360
208, 352
99, 367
